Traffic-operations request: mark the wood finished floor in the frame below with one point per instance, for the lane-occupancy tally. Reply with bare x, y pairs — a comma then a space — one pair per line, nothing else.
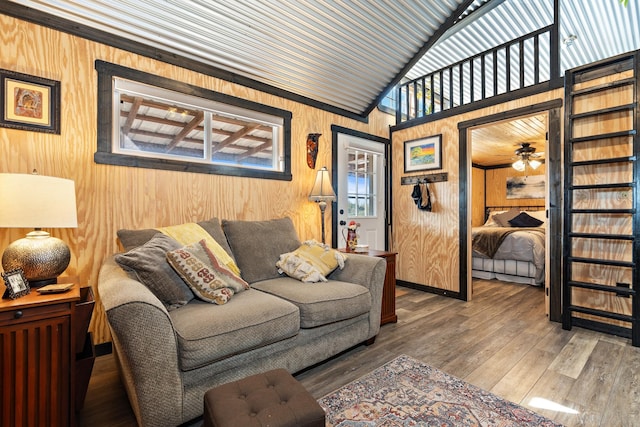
501, 341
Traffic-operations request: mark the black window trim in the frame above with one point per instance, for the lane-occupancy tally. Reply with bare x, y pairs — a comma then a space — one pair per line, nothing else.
104, 154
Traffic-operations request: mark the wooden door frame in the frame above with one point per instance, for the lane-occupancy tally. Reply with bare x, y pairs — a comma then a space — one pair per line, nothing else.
554, 168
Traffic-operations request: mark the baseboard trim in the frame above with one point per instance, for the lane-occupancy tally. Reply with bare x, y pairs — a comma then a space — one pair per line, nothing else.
103, 349
430, 289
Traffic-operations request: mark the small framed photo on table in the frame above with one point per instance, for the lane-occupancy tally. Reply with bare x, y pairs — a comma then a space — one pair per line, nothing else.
29, 102
17, 285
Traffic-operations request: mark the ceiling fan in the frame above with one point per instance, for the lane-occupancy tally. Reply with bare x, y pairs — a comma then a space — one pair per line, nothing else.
526, 157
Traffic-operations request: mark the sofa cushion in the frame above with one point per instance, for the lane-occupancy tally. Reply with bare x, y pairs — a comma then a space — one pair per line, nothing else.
149, 263
207, 276
257, 245
320, 303
250, 320
311, 262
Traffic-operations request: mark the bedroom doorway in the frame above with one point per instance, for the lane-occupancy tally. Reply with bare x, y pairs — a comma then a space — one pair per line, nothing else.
510, 163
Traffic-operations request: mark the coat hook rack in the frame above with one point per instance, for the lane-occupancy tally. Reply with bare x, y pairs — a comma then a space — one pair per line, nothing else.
421, 179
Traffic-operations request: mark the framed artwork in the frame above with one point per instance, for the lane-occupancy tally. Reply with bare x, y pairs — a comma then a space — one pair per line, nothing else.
17, 285
29, 102
531, 187
423, 154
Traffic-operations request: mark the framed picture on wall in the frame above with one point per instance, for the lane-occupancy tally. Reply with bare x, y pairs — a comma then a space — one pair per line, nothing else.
29, 102
423, 154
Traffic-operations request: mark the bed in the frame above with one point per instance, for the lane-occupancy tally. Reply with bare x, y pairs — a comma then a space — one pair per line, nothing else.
510, 253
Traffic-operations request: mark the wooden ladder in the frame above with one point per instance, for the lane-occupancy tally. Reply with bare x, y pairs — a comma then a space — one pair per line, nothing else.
601, 237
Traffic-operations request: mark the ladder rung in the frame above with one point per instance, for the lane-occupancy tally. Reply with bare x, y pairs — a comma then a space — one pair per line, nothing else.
601, 236
616, 109
603, 211
617, 289
603, 136
606, 86
603, 186
610, 262
601, 313
604, 161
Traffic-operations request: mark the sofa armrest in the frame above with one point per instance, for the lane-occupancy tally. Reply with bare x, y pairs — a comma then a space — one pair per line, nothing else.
369, 272
145, 343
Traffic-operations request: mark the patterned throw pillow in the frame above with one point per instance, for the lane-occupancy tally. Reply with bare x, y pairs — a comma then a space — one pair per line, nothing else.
311, 262
206, 275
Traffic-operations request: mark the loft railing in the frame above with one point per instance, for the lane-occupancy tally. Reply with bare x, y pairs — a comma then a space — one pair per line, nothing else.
512, 66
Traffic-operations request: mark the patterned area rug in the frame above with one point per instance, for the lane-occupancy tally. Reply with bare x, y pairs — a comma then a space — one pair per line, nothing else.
406, 392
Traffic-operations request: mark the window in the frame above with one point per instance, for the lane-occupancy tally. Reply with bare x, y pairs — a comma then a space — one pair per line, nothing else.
361, 191
150, 121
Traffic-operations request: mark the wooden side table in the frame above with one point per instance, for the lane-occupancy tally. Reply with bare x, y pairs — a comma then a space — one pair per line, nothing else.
39, 337
389, 290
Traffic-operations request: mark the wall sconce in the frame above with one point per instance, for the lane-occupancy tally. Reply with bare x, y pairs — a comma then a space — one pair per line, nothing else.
312, 149
36, 201
322, 193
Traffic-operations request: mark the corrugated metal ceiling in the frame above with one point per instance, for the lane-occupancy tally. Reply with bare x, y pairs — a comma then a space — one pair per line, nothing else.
345, 53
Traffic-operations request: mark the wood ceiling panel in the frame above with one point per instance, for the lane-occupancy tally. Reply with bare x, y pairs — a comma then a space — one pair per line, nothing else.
495, 144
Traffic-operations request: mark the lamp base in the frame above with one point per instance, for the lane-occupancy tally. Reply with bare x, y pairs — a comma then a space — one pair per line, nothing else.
41, 257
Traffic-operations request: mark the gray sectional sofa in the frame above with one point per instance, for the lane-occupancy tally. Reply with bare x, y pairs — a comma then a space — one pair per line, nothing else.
169, 355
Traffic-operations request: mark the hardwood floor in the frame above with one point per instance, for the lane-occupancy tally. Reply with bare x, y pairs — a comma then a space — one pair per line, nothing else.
501, 341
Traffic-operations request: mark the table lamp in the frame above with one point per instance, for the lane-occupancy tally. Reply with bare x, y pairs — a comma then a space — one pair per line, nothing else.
37, 201
322, 193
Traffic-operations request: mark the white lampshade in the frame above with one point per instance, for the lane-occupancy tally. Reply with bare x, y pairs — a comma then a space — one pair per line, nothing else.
36, 201
535, 164
518, 165
322, 190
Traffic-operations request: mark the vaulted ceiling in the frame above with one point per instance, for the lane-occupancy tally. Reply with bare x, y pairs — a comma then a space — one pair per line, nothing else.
340, 55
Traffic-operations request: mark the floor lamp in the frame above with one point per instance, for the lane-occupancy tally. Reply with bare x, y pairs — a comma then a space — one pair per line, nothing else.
322, 193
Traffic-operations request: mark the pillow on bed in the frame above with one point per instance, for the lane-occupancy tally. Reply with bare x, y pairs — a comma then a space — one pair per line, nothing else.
525, 220
504, 218
491, 222
539, 215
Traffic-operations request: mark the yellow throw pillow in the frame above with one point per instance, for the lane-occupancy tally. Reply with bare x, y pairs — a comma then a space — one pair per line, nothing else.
191, 232
311, 262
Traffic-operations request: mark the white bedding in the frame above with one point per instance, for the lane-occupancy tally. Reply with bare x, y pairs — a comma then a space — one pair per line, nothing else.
521, 245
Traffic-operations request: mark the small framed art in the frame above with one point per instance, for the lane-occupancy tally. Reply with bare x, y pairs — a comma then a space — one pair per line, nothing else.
17, 285
423, 154
29, 102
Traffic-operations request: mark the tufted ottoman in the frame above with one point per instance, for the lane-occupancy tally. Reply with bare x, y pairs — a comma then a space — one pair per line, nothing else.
273, 399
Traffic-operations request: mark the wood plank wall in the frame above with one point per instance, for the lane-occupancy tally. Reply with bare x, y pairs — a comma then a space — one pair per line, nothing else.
428, 243
114, 197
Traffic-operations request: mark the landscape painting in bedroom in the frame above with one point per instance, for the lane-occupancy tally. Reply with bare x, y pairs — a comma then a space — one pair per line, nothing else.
529, 187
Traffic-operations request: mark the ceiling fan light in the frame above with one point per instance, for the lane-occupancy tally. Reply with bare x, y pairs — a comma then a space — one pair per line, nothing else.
518, 165
535, 164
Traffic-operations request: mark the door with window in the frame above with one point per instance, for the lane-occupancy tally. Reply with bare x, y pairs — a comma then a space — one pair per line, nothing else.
361, 189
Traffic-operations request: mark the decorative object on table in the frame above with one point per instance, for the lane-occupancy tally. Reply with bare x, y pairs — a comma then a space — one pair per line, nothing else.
37, 201
322, 193
406, 391
17, 285
312, 149
423, 154
29, 102
351, 238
